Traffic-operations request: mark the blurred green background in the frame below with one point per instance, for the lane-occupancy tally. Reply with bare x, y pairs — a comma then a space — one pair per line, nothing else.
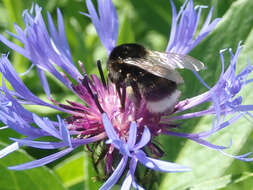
146, 22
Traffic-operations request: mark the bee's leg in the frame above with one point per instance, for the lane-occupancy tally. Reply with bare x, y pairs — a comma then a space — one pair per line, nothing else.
123, 97
133, 90
180, 105
118, 90
136, 91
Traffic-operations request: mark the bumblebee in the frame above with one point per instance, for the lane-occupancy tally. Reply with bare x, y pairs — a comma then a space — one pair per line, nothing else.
148, 74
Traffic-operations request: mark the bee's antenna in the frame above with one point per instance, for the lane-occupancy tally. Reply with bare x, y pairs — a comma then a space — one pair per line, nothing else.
97, 103
86, 84
93, 95
101, 72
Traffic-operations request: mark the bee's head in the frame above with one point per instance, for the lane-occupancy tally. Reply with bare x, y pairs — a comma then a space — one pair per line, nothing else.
128, 51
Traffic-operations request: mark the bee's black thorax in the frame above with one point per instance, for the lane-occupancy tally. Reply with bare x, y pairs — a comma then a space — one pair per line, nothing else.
125, 51
118, 70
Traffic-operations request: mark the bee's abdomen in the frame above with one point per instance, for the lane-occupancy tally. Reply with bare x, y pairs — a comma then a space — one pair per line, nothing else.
155, 88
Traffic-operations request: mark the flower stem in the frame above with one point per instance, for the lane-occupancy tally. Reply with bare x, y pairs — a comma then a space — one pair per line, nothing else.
86, 185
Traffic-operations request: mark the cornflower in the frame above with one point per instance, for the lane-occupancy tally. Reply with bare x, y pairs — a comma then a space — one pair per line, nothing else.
98, 117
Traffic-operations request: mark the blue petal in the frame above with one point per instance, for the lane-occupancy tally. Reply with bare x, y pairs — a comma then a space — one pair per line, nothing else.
9, 149
4, 127
145, 138
160, 165
14, 46
132, 167
173, 27
106, 24
197, 138
243, 108
64, 132
16, 117
45, 50
42, 161
208, 144
219, 127
10, 74
63, 40
77, 142
111, 133
183, 28
129, 179
115, 175
242, 157
132, 135
15, 122
61, 48
126, 185
39, 144
27, 71
15, 106
44, 82
109, 23
94, 17
46, 125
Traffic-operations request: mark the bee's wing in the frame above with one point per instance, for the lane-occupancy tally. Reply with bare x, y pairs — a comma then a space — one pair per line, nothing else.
164, 64
153, 66
174, 61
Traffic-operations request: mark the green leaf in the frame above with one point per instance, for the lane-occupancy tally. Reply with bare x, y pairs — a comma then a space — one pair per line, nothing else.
237, 166
221, 182
15, 9
39, 178
206, 163
77, 171
71, 171
6, 134
226, 35
126, 34
155, 14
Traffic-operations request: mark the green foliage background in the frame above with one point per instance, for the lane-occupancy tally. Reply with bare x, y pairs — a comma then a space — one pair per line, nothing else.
146, 22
